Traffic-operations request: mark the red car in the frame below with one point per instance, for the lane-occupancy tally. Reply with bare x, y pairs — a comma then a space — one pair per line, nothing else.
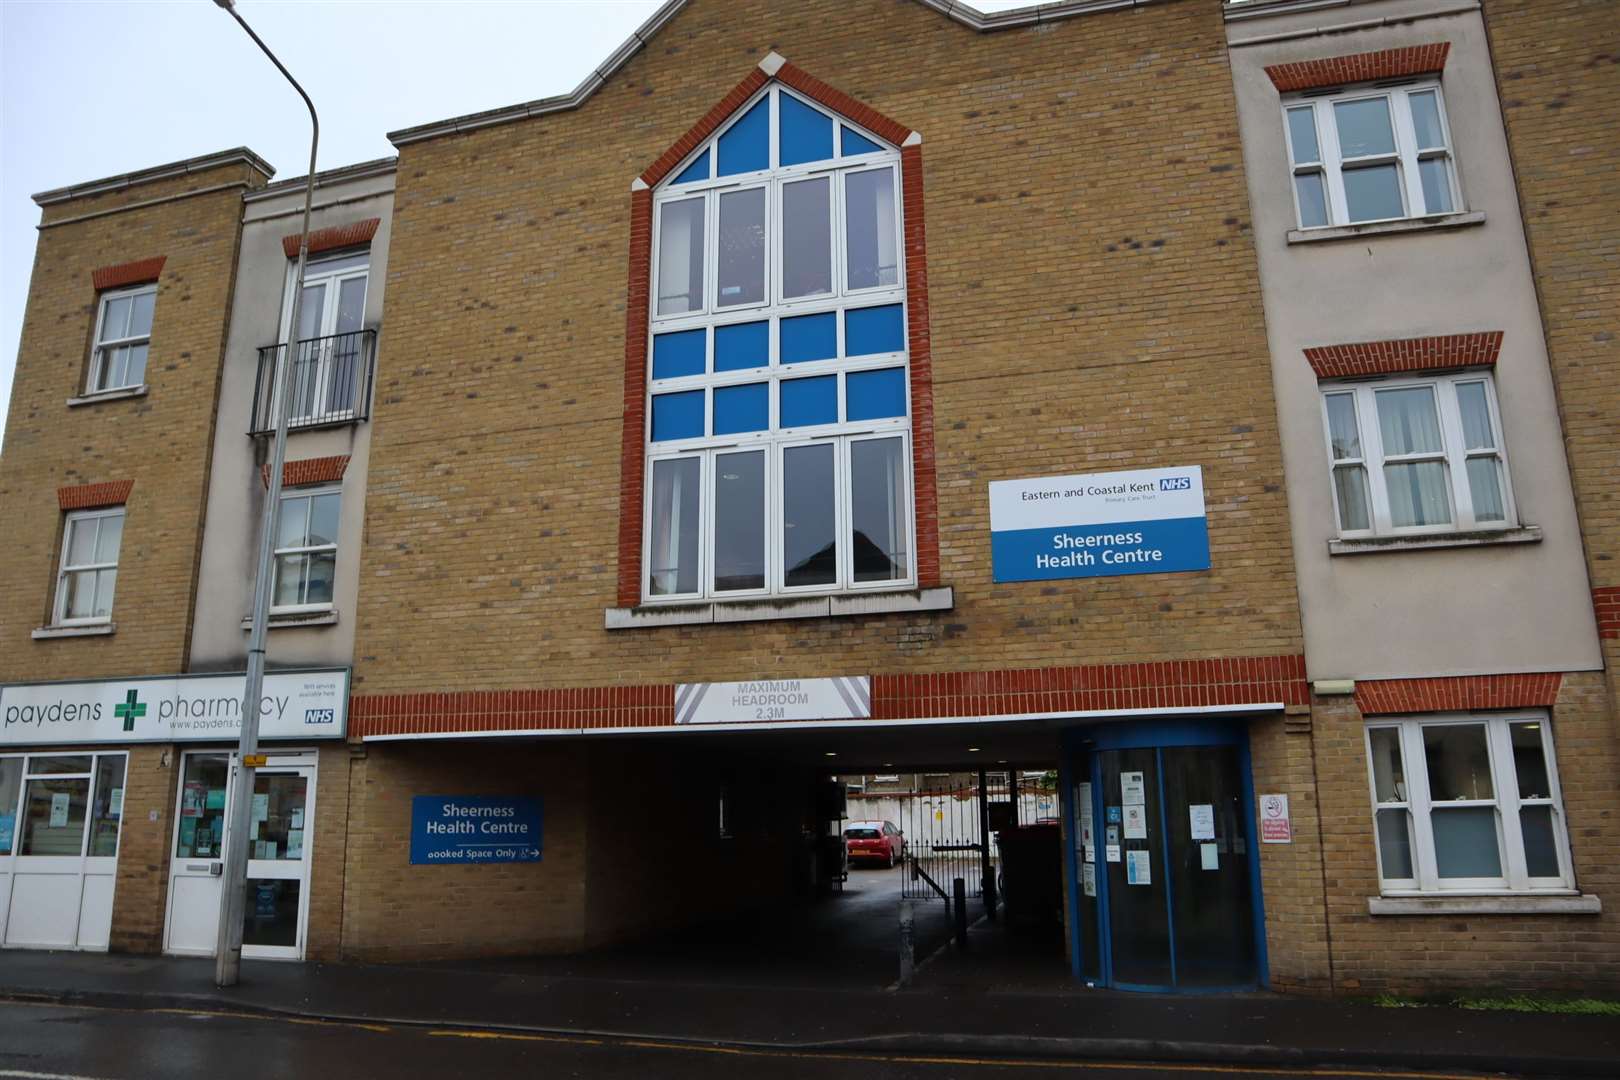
874, 841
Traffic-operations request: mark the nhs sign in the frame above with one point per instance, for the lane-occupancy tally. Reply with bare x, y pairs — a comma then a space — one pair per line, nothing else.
1148, 521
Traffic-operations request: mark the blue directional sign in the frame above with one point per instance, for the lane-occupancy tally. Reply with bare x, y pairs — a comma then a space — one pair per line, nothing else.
1150, 521
449, 829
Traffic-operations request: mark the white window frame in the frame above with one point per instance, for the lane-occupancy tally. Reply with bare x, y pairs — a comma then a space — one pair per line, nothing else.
1454, 454
20, 806
327, 271
1515, 878
291, 495
774, 439
1406, 157
99, 348
64, 568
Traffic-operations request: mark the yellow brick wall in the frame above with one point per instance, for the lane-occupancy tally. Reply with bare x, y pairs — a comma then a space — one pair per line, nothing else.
161, 441
1094, 307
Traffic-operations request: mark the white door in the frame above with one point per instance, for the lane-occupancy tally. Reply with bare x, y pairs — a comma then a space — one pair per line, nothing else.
329, 352
59, 825
276, 911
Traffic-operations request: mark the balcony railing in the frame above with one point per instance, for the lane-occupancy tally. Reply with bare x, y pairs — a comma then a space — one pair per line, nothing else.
331, 382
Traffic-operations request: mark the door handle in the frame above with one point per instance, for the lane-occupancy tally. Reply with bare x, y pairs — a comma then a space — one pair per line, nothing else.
197, 866
216, 869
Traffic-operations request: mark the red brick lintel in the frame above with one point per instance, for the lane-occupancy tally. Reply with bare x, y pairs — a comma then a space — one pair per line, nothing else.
338, 236
1411, 354
321, 470
139, 272
1183, 684
1607, 603
94, 496
1380, 697
1359, 67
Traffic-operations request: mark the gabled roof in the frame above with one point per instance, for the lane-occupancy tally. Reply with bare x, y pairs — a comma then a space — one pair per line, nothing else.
965, 14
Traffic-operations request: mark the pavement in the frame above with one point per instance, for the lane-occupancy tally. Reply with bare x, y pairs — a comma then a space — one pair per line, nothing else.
1002, 997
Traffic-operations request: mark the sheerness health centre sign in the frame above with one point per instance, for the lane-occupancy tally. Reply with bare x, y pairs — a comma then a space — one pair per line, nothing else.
1148, 521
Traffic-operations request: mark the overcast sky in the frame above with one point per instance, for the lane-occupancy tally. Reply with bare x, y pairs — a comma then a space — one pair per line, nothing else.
93, 88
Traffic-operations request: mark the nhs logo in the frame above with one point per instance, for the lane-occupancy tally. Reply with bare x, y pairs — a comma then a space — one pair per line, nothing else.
1176, 483
320, 716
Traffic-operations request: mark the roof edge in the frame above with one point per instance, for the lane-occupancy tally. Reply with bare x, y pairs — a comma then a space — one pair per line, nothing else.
342, 174
965, 14
237, 155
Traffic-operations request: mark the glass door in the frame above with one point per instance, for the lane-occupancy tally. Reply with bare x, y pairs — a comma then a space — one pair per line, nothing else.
1168, 903
280, 820
329, 346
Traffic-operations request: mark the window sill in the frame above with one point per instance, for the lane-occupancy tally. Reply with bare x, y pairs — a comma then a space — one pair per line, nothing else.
107, 395
294, 619
807, 607
1546, 904
1524, 534
1385, 228
51, 633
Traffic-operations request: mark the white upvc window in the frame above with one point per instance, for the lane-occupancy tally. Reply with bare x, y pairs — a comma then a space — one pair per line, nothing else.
306, 551
123, 334
1370, 154
330, 349
1468, 803
89, 569
1416, 456
778, 431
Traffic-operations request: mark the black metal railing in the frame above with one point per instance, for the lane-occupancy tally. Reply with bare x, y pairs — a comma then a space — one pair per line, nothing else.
331, 382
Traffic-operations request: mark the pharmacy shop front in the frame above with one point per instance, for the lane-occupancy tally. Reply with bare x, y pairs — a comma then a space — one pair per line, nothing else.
83, 764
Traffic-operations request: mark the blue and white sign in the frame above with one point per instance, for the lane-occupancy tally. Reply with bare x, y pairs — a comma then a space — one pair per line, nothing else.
1148, 521
450, 829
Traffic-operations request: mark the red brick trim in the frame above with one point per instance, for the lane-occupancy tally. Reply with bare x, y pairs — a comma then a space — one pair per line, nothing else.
632, 455
1359, 67
705, 127
1187, 684
94, 496
842, 104
633, 449
1412, 354
1378, 697
321, 470
338, 236
139, 272
1607, 603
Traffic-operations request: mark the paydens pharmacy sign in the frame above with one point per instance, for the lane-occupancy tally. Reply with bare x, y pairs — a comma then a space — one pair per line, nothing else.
181, 708
1150, 521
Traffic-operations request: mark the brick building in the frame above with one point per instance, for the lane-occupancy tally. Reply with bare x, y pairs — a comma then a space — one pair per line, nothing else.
886, 389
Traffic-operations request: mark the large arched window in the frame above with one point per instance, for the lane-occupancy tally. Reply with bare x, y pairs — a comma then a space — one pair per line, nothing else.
778, 458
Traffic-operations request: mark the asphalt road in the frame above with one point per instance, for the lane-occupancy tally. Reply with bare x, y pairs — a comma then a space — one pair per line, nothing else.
70, 1043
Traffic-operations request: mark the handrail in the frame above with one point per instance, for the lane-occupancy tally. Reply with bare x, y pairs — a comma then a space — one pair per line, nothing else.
330, 382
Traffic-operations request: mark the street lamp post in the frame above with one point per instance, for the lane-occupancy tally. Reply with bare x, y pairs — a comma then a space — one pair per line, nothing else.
233, 893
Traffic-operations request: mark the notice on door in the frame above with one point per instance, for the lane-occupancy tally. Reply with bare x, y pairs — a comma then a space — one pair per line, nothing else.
1275, 827
1082, 798
1132, 791
1202, 817
474, 829
1138, 868
1136, 823
1088, 878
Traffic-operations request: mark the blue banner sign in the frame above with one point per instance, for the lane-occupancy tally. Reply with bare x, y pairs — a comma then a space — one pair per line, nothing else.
1149, 521
474, 829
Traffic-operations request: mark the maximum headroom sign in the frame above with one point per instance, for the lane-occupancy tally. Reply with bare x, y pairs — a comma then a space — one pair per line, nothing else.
1149, 521
180, 708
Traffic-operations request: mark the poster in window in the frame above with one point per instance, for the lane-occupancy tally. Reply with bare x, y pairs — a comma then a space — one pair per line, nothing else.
115, 803
59, 810
192, 799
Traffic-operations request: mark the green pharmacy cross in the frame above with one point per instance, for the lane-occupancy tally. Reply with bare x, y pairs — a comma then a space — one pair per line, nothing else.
130, 711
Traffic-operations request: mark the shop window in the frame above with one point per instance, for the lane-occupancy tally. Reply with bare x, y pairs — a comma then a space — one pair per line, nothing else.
1416, 456
1370, 155
61, 804
1467, 804
89, 568
123, 334
11, 773
779, 417
306, 551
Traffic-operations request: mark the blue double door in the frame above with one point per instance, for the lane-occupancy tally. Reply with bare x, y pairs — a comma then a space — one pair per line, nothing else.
1166, 894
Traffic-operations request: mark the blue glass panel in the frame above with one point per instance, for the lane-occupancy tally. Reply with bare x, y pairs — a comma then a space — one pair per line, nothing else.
741, 408
809, 337
699, 169
679, 354
746, 145
874, 330
806, 134
809, 401
677, 416
852, 142
872, 395
746, 345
